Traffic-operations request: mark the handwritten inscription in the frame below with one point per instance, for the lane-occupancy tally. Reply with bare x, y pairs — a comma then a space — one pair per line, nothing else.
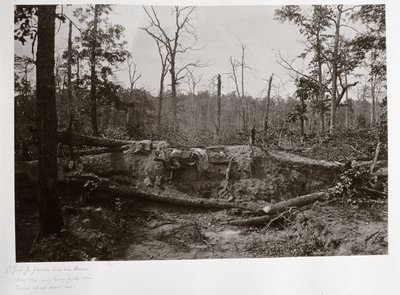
41, 278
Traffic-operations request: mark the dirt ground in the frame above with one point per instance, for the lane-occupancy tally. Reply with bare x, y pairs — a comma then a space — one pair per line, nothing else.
323, 230
154, 231
99, 226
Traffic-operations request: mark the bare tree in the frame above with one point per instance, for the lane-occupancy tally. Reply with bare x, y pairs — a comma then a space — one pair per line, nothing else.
164, 71
240, 80
219, 84
192, 82
173, 45
268, 105
133, 73
134, 76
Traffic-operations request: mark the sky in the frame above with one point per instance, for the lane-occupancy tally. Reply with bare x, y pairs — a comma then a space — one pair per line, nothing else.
220, 30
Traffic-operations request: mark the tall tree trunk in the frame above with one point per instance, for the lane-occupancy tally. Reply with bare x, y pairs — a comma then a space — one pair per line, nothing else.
302, 118
218, 106
320, 85
173, 94
373, 103
159, 112
69, 70
78, 77
335, 62
347, 100
93, 78
160, 99
245, 122
266, 119
50, 217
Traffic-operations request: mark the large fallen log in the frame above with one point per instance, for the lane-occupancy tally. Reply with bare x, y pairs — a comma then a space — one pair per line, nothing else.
99, 151
303, 161
70, 138
272, 211
175, 197
294, 203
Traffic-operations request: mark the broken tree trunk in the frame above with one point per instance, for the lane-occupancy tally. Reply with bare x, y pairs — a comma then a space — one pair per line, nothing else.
373, 165
174, 197
70, 138
303, 161
296, 202
274, 210
100, 151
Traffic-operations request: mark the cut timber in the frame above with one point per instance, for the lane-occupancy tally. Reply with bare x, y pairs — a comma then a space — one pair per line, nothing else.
99, 151
296, 202
70, 138
174, 197
273, 211
303, 161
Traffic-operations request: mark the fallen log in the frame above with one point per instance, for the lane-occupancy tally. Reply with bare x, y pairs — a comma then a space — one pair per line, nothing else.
99, 151
174, 197
296, 202
70, 138
303, 161
274, 210
168, 195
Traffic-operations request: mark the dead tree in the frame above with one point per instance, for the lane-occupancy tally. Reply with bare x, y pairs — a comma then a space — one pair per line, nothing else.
268, 106
240, 80
164, 71
173, 45
192, 82
218, 106
134, 76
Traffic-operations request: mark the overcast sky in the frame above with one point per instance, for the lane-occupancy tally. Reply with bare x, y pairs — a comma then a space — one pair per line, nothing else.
220, 31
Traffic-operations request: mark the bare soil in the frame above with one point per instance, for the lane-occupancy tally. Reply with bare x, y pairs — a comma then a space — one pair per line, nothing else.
102, 227
153, 231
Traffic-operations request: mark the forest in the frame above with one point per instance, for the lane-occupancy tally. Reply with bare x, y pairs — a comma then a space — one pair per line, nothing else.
159, 148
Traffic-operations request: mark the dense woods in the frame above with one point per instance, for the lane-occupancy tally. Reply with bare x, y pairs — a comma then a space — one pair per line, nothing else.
70, 100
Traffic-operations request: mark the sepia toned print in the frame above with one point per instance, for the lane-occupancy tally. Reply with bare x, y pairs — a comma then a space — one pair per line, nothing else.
162, 132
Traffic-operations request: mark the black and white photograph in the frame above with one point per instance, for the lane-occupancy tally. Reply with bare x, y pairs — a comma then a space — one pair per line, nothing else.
184, 132
160, 138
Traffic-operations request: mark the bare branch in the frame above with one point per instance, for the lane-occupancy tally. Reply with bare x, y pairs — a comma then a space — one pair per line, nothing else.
288, 66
